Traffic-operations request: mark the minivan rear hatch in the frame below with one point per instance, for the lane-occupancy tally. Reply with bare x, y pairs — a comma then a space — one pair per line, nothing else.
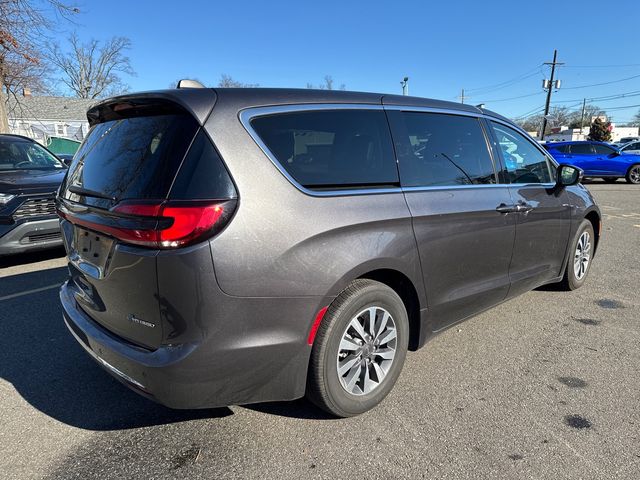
146, 178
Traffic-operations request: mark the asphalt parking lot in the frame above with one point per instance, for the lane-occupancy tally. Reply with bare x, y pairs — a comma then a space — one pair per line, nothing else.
544, 386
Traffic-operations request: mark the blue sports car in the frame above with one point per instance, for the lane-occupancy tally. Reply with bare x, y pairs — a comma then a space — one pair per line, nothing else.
597, 159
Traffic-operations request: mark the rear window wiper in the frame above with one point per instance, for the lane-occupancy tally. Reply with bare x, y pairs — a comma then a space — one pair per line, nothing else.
89, 193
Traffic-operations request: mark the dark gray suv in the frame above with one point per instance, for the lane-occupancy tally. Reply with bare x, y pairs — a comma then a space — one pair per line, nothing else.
230, 246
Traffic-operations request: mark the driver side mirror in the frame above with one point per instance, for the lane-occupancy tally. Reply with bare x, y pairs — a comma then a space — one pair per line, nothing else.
567, 175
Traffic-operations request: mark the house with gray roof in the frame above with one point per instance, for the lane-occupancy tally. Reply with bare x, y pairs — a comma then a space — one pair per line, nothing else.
44, 117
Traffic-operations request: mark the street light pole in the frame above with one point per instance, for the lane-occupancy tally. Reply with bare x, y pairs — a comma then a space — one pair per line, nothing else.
405, 86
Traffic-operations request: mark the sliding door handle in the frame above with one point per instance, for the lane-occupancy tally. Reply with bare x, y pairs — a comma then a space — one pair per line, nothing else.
504, 208
523, 207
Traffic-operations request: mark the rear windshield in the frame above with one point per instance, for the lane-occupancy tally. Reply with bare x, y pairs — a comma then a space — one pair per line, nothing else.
331, 149
132, 158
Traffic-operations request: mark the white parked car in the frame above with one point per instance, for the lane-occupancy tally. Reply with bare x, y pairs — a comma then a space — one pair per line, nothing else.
631, 147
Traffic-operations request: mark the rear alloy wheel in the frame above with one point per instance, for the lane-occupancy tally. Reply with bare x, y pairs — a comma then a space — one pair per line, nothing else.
359, 349
633, 174
580, 256
366, 351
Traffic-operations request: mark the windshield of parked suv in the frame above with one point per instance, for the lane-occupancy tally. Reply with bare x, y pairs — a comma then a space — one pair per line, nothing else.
25, 155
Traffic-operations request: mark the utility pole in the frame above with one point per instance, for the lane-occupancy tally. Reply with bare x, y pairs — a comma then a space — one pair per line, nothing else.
584, 104
405, 86
462, 96
549, 85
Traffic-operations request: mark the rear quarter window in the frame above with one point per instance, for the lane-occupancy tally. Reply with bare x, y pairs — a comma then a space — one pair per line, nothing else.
331, 149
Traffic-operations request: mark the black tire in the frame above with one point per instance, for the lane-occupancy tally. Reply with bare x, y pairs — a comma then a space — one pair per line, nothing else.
570, 281
609, 179
633, 174
324, 387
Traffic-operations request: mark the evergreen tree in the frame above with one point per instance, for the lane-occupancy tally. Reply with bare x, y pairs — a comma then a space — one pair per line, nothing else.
600, 131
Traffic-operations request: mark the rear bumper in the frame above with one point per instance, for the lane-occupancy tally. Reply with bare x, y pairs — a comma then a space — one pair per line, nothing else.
31, 235
220, 371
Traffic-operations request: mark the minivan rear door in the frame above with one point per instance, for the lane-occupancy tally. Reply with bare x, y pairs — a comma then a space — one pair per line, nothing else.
462, 228
133, 153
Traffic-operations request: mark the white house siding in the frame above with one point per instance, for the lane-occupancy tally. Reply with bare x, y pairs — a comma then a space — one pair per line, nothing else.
40, 130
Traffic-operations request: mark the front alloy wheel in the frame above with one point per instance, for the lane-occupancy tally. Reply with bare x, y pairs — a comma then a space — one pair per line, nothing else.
633, 175
582, 255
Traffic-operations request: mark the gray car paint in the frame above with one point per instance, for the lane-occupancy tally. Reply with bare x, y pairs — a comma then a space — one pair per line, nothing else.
234, 313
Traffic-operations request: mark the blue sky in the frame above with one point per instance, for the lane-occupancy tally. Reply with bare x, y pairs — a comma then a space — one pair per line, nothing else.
442, 46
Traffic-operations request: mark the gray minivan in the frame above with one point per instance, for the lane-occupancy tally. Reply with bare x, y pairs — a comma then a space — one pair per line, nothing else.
231, 246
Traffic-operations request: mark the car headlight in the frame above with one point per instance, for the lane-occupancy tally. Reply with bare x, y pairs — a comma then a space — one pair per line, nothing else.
5, 198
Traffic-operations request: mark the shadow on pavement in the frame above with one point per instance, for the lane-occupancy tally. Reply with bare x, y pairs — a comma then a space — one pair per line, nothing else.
31, 257
295, 409
49, 370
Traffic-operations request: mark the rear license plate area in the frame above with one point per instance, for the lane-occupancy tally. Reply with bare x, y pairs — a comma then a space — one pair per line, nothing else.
91, 249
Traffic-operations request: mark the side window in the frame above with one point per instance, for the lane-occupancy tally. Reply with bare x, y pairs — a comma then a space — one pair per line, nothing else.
603, 150
439, 149
582, 149
329, 149
524, 162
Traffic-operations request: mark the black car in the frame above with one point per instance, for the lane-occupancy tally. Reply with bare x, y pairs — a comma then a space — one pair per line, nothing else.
29, 178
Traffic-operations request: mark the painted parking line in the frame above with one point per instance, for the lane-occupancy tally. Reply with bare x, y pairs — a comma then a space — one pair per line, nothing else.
29, 292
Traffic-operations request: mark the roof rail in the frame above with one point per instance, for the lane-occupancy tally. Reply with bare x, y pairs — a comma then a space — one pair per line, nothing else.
187, 83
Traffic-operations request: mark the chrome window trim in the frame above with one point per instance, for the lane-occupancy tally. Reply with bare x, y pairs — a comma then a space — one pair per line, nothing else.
454, 187
246, 115
446, 111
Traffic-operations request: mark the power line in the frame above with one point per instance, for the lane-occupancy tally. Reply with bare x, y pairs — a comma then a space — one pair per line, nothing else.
512, 98
498, 86
530, 113
607, 98
603, 83
603, 66
621, 107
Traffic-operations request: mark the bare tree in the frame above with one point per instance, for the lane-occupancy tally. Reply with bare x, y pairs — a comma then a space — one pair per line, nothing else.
228, 81
24, 28
92, 70
327, 84
559, 117
635, 122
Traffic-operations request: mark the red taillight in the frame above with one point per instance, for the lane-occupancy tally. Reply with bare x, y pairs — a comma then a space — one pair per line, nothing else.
159, 224
178, 224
